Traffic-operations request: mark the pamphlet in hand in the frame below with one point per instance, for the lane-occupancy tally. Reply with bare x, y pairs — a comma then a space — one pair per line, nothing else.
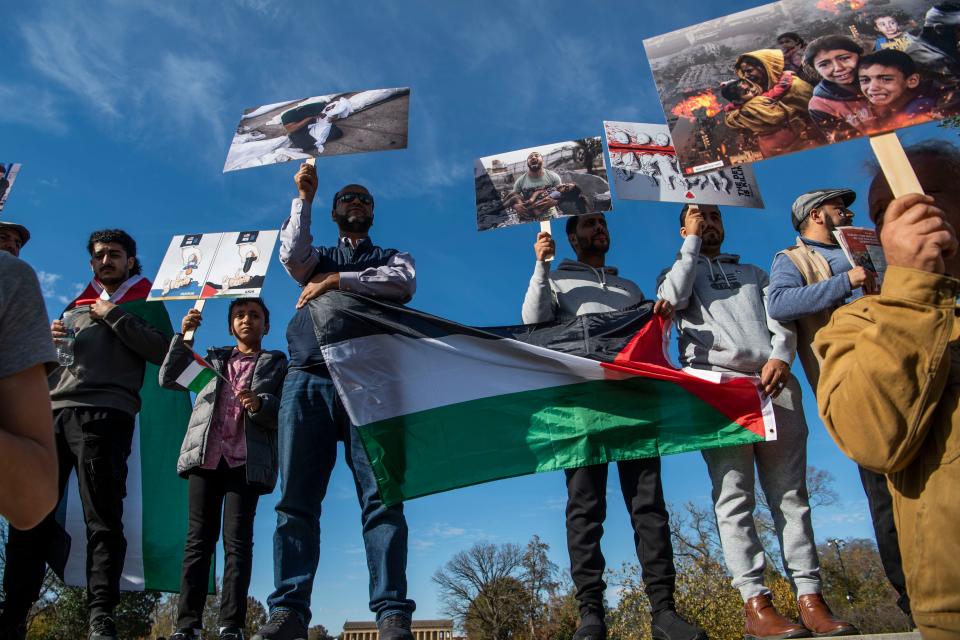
862, 248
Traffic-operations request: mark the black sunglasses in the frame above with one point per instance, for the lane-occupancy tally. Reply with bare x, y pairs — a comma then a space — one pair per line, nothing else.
350, 196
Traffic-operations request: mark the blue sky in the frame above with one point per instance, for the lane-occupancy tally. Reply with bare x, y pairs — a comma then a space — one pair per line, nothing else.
121, 112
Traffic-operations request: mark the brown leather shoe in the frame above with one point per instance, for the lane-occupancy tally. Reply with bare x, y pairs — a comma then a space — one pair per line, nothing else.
816, 616
763, 621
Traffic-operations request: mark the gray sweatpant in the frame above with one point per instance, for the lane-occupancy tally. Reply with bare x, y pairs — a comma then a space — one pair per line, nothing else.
781, 466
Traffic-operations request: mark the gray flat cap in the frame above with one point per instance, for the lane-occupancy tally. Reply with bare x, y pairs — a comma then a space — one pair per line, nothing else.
19, 228
810, 200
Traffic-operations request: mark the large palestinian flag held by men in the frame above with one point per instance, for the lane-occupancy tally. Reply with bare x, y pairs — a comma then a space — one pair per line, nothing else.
155, 509
439, 405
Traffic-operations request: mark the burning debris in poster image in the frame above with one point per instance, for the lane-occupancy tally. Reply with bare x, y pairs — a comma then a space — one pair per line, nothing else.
541, 183
644, 165
798, 74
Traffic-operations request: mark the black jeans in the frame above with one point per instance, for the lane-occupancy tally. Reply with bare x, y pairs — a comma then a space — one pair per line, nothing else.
212, 493
96, 443
881, 512
586, 511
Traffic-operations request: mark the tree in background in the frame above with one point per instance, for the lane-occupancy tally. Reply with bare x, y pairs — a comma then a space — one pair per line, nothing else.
482, 589
317, 632
165, 616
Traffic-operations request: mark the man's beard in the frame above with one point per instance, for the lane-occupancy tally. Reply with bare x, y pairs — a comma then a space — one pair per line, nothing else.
353, 222
114, 277
712, 239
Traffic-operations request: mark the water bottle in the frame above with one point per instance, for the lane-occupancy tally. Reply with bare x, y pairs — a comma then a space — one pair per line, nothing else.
65, 345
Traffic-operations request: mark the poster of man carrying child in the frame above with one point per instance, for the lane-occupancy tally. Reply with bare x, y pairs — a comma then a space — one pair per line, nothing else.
798, 74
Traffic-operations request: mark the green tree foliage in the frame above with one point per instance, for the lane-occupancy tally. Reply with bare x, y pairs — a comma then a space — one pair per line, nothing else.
318, 632
63, 614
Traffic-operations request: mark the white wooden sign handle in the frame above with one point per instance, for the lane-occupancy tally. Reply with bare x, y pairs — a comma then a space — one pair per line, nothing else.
893, 162
545, 228
198, 305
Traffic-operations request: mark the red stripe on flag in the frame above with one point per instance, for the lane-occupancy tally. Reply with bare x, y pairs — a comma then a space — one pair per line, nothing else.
737, 398
208, 291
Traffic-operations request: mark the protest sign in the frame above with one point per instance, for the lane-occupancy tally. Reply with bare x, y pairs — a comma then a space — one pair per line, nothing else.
799, 74
8, 173
327, 125
214, 265
541, 183
644, 166
184, 268
240, 265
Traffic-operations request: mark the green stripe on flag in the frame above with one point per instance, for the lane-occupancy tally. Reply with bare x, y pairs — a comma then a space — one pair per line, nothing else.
204, 376
548, 429
163, 422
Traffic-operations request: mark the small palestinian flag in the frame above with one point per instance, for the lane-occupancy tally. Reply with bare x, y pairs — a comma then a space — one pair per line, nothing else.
439, 405
197, 374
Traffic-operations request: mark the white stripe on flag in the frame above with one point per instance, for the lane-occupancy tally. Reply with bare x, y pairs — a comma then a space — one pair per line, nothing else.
132, 578
388, 375
187, 375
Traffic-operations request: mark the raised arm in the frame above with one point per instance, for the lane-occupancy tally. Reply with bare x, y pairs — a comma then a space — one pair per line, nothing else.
540, 302
675, 285
297, 253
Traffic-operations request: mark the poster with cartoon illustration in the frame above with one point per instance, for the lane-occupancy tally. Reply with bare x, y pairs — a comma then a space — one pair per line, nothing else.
184, 268
240, 265
800, 74
644, 166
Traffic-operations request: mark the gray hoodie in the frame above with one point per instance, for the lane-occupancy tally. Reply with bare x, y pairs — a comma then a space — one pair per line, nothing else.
721, 312
574, 289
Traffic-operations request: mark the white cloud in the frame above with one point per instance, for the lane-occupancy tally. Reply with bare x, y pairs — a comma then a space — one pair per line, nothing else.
27, 105
49, 285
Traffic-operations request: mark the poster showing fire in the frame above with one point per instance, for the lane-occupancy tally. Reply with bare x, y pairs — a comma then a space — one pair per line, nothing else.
798, 74
214, 265
644, 165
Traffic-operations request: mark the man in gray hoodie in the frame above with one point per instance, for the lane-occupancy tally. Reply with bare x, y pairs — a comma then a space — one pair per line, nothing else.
575, 288
723, 326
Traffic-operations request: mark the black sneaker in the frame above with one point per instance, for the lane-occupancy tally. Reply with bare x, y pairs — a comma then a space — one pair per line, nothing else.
186, 634
103, 628
396, 627
283, 624
668, 625
230, 633
592, 627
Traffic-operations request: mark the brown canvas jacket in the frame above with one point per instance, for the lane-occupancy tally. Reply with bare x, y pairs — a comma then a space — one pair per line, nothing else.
889, 394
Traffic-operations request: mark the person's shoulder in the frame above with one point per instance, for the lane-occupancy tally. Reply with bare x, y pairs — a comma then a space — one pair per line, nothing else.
16, 272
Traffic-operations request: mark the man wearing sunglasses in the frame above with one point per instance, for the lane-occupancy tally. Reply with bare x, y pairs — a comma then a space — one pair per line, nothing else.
312, 419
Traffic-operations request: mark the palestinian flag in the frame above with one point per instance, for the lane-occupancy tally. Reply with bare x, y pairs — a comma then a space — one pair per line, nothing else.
155, 509
439, 405
197, 374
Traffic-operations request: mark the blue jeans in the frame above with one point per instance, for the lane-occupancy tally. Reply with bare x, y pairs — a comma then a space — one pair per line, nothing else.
312, 420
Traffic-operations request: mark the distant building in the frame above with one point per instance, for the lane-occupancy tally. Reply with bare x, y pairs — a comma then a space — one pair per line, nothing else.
422, 630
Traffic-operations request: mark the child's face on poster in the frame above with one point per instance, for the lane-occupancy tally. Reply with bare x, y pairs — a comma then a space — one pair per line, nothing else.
887, 26
838, 65
886, 86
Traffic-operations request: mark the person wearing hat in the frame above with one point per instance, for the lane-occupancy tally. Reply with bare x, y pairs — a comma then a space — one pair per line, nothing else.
13, 237
808, 282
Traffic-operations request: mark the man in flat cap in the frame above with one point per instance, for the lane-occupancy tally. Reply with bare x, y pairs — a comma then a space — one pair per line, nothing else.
808, 282
13, 237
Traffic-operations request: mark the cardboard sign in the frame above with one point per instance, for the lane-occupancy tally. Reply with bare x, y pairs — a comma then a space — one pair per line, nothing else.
8, 174
644, 166
326, 125
799, 74
240, 265
214, 265
541, 183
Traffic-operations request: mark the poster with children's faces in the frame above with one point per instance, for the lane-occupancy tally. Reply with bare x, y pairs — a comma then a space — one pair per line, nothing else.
541, 183
183, 271
644, 166
799, 74
240, 265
